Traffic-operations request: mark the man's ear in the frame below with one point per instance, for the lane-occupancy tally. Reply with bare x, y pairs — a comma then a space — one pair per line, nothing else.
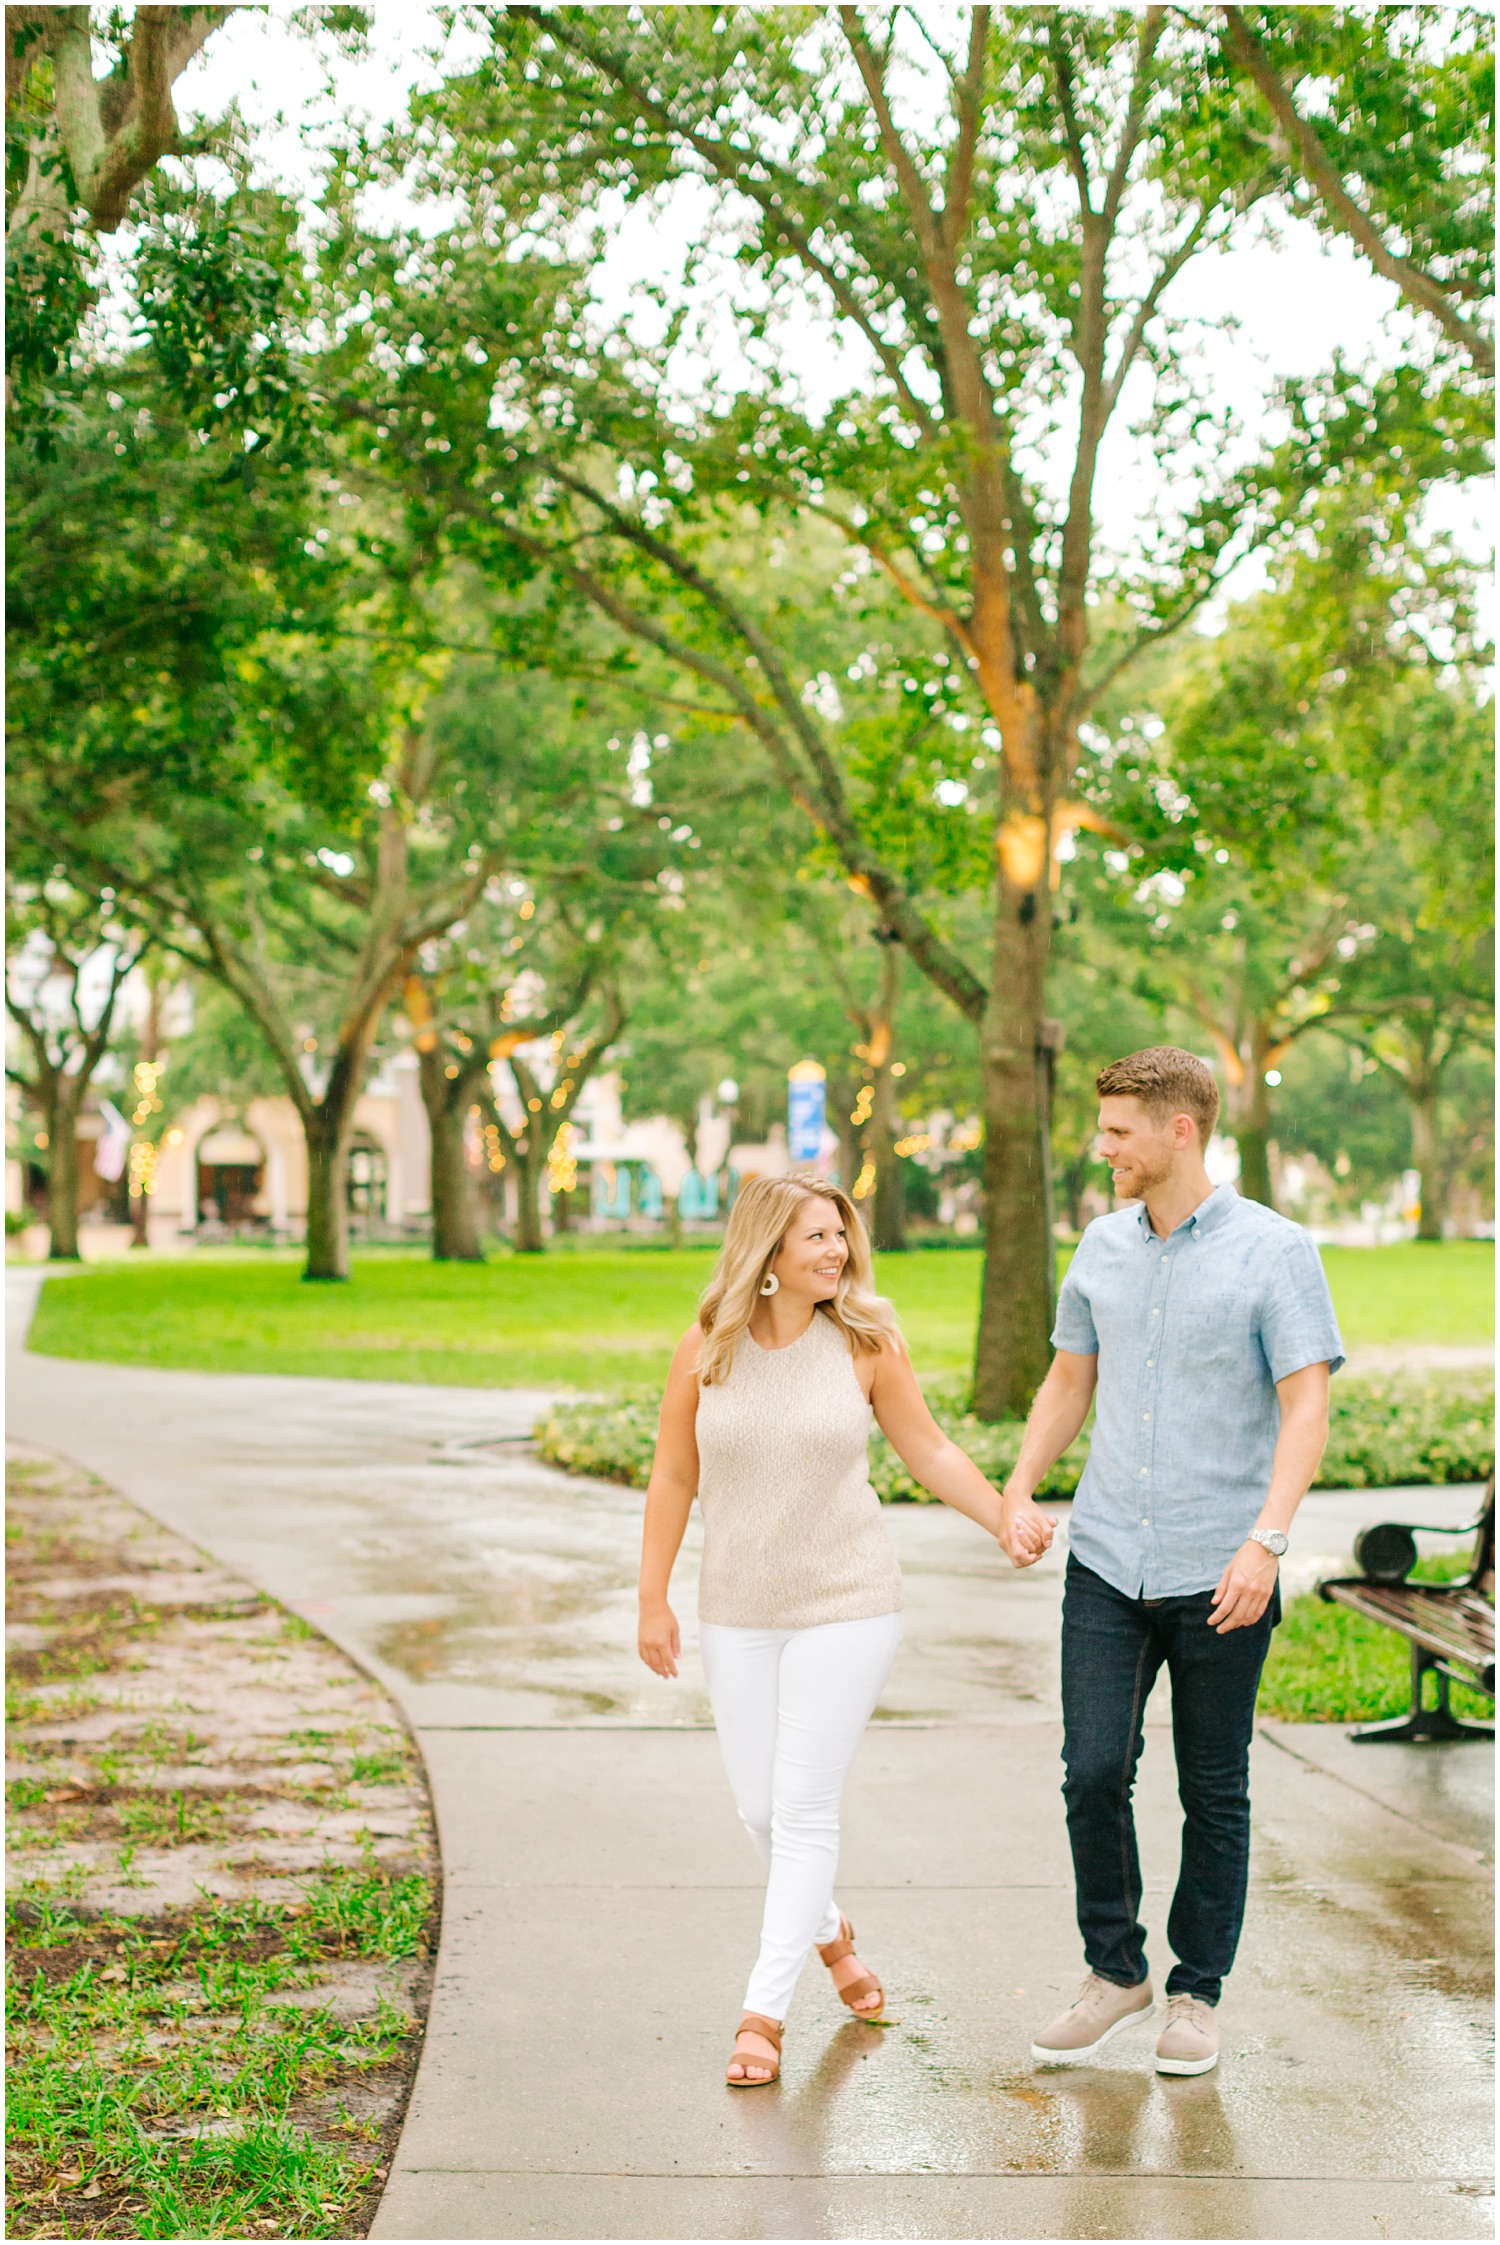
1184, 1132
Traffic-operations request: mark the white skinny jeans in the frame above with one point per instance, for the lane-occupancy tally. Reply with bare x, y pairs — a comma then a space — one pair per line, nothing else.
790, 1707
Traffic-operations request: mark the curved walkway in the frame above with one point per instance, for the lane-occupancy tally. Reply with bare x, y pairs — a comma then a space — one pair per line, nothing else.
600, 1901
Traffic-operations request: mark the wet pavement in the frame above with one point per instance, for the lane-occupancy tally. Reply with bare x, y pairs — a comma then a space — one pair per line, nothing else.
601, 1903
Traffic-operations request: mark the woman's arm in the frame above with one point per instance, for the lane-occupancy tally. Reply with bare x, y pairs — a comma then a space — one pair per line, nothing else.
669, 1500
933, 1458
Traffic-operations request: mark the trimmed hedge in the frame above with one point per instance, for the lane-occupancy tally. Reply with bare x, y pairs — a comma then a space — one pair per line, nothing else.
1383, 1432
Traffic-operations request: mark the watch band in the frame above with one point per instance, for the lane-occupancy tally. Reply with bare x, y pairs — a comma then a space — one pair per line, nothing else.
1271, 1539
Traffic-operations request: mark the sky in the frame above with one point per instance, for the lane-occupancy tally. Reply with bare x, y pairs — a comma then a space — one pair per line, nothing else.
1295, 297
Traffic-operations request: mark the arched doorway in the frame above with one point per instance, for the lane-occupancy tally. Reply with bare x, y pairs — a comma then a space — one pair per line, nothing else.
366, 1185
231, 1173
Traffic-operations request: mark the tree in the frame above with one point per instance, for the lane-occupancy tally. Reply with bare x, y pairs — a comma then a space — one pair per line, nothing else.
99, 137
979, 259
1422, 991
1263, 785
536, 1145
68, 957
192, 1041
227, 726
1421, 206
466, 1019
77, 150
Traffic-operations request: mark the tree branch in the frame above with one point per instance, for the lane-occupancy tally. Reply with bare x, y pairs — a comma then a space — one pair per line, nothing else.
968, 101
913, 188
1323, 176
828, 812
738, 171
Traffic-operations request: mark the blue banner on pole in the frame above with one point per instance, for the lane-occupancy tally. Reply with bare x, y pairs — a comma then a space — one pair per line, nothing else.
805, 1105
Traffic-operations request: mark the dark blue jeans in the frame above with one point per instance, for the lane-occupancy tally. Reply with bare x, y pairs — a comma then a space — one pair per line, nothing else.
1112, 1650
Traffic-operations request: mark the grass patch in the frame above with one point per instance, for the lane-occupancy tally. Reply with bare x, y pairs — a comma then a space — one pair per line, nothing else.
1328, 1665
159, 2079
601, 1318
213, 2006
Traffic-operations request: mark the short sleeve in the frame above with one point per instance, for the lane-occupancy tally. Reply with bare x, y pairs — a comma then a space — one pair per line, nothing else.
1298, 1326
1074, 1330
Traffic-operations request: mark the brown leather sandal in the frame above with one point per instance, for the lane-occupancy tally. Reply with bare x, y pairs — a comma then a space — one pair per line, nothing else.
753, 2023
832, 1953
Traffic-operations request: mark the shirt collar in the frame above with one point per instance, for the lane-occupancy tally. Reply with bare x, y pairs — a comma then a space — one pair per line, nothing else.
1205, 1216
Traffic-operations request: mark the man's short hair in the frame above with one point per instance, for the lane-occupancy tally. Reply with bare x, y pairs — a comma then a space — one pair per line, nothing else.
1167, 1081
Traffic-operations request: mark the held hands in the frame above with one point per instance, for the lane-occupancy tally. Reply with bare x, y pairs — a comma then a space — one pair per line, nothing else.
1244, 1589
659, 1642
1025, 1532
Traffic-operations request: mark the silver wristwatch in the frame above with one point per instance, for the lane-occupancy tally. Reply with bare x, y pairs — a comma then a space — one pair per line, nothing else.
1273, 1539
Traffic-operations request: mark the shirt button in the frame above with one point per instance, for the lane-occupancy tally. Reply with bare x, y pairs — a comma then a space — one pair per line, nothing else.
1156, 1313
1145, 1523
1145, 1415
1143, 1473
1149, 1362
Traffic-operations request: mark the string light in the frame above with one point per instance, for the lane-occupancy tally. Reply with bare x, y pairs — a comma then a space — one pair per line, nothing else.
863, 1104
145, 1075
918, 1143
142, 1168
562, 1169
494, 1153
864, 1183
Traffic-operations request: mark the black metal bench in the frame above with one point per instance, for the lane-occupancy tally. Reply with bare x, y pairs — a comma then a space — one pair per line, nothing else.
1451, 1625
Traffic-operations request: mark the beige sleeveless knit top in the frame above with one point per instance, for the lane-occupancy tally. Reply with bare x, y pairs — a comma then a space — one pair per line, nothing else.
792, 1531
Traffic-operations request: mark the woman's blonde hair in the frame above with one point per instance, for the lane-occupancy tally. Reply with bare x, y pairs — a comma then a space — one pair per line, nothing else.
758, 1223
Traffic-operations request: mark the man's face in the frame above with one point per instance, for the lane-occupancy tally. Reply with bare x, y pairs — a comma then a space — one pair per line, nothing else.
1141, 1148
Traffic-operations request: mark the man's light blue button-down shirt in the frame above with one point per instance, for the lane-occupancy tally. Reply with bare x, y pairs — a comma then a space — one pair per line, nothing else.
1192, 1333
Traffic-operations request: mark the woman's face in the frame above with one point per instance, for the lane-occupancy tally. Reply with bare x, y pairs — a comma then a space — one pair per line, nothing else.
811, 1258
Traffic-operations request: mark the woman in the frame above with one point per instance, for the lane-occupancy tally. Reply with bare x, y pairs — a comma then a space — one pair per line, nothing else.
766, 1419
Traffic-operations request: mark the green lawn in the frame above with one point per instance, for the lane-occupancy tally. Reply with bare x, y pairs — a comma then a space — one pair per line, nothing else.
597, 1317
1328, 1665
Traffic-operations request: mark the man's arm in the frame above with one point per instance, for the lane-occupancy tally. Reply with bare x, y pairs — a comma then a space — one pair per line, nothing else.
1061, 1406
1245, 1587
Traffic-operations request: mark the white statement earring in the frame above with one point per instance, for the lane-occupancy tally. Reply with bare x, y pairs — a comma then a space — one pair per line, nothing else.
771, 1284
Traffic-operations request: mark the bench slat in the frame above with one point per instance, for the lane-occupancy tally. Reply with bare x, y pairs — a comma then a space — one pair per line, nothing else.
1456, 1624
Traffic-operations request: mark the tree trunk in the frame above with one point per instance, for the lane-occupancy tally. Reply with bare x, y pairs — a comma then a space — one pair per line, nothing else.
455, 1213
140, 1204
1019, 1296
1075, 1177
851, 1153
889, 1228
327, 1243
528, 1240
1252, 1134
1423, 1097
62, 1178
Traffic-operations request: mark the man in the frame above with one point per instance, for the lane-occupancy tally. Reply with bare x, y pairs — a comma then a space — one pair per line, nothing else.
1202, 1324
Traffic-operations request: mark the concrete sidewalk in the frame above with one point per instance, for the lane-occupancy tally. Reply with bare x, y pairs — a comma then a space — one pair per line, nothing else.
601, 1902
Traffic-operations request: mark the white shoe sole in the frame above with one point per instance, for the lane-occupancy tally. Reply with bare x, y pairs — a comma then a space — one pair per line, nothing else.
1187, 2065
1042, 2056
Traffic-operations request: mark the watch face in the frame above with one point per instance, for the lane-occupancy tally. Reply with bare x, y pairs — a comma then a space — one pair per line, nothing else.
1274, 1542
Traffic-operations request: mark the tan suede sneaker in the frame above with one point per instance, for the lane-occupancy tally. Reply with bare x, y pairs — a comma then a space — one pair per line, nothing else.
1189, 2042
1102, 2010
